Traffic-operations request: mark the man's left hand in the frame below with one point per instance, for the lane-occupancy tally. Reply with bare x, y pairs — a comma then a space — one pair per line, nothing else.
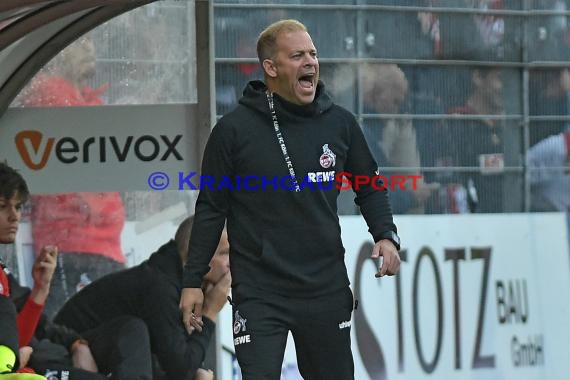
390, 258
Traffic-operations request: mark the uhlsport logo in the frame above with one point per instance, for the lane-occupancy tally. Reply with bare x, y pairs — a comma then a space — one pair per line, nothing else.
36, 150
344, 325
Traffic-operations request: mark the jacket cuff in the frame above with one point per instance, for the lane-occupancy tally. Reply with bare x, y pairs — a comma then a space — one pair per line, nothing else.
191, 283
191, 280
379, 235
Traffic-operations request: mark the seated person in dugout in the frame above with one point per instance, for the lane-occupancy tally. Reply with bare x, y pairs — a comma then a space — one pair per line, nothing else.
151, 292
58, 350
43, 347
17, 328
19, 318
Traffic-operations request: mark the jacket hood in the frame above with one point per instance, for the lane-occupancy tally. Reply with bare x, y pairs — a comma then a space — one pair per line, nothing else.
167, 260
254, 96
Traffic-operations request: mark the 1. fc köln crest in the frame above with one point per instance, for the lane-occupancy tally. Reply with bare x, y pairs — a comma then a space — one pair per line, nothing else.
328, 158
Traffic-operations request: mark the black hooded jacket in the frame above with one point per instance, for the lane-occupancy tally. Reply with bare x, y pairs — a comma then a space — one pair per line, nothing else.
151, 292
282, 241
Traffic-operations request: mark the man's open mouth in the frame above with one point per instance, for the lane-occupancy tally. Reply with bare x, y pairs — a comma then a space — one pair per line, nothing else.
307, 81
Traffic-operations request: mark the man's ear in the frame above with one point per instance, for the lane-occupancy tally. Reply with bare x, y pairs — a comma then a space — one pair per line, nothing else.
269, 68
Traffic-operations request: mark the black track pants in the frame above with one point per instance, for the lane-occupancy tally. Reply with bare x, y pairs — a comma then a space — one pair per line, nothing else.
320, 328
122, 347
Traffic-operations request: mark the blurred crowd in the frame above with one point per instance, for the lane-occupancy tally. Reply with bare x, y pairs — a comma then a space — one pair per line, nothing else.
460, 124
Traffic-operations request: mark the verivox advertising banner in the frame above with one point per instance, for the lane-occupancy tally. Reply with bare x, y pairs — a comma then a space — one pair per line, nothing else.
98, 148
477, 297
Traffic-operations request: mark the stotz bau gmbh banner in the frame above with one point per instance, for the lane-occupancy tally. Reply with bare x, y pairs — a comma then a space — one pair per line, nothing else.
477, 297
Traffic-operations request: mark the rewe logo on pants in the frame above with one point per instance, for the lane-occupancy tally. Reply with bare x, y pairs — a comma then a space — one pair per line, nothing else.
36, 150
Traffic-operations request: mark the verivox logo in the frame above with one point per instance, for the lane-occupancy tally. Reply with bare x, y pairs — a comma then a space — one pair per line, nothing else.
36, 150
35, 140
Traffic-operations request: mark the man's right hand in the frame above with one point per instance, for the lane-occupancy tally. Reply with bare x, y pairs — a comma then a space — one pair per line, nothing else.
216, 296
191, 301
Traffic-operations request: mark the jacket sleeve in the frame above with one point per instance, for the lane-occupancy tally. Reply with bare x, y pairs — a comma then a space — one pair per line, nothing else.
55, 333
401, 200
29, 312
27, 321
179, 353
211, 207
374, 204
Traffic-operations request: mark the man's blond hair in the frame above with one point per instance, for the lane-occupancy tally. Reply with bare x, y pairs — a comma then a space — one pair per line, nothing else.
267, 40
